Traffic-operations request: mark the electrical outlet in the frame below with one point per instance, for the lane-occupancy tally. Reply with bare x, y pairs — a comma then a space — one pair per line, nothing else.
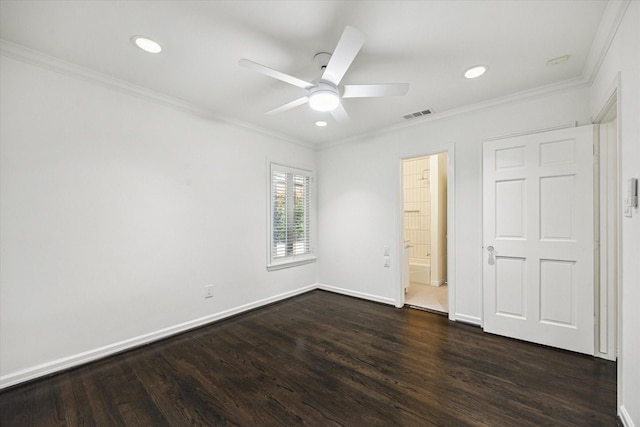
208, 291
387, 261
387, 251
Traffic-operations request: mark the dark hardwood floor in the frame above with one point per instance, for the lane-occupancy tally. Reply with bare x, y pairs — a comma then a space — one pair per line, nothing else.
322, 359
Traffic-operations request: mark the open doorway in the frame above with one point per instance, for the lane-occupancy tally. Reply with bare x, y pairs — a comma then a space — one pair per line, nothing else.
425, 232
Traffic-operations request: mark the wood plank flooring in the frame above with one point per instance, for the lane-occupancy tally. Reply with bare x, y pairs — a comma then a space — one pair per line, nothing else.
322, 359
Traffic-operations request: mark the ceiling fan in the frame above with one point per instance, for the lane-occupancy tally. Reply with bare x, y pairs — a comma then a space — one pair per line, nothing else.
325, 94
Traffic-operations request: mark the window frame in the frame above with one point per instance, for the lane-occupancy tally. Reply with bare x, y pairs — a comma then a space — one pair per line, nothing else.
275, 262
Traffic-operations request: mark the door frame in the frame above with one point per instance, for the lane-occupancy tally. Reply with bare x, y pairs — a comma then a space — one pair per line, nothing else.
607, 232
609, 101
449, 149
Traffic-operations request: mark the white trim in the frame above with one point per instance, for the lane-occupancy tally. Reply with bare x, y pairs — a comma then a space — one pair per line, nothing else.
530, 132
603, 106
609, 24
291, 260
54, 366
452, 284
625, 417
296, 261
352, 293
448, 148
607, 30
619, 323
400, 267
512, 98
39, 59
471, 320
609, 98
607, 231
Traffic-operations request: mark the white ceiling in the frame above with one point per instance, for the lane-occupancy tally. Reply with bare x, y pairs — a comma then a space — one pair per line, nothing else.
427, 44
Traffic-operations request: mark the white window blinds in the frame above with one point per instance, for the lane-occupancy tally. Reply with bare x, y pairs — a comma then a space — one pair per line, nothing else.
290, 238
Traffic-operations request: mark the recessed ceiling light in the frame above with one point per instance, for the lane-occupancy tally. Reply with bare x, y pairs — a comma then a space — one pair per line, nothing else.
321, 123
475, 71
146, 44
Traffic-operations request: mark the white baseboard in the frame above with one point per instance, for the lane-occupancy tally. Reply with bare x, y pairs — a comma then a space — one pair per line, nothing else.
472, 320
58, 365
78, 359
625, 417
356, 294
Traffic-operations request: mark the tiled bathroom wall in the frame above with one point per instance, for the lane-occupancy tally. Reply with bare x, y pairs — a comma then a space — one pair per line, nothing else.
417, 207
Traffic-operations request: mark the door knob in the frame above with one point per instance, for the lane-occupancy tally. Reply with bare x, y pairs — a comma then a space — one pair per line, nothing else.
490, 249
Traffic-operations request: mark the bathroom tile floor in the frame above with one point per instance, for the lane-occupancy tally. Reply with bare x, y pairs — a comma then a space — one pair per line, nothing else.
427, 296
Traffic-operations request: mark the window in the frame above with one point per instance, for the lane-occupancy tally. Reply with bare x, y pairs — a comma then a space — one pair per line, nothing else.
290, 222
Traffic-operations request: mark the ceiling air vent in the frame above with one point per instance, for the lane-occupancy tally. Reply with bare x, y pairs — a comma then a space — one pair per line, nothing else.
418, 114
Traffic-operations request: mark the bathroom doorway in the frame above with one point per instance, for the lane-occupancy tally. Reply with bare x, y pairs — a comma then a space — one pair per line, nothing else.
425, 232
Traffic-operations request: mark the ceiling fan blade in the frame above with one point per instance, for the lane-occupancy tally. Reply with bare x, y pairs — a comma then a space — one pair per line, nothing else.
371, 91
340, 114
345, 52
275, 74
289, 105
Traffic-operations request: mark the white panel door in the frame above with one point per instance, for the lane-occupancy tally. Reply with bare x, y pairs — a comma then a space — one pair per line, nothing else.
538, 271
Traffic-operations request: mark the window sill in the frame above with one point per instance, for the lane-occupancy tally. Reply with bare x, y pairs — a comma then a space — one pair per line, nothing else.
291, 263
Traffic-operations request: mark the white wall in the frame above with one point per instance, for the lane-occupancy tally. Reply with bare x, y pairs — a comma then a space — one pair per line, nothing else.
359, 203
623, 57
116, 210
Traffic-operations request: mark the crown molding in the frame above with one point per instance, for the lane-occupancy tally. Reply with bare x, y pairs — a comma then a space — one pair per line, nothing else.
607, 29
39, 59
609, 24
559, 87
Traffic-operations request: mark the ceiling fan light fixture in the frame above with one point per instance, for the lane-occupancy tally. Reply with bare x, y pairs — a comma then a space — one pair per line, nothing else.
324, 100
475, 71
146, 44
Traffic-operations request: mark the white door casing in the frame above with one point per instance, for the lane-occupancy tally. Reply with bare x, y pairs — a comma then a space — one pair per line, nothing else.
538, 259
